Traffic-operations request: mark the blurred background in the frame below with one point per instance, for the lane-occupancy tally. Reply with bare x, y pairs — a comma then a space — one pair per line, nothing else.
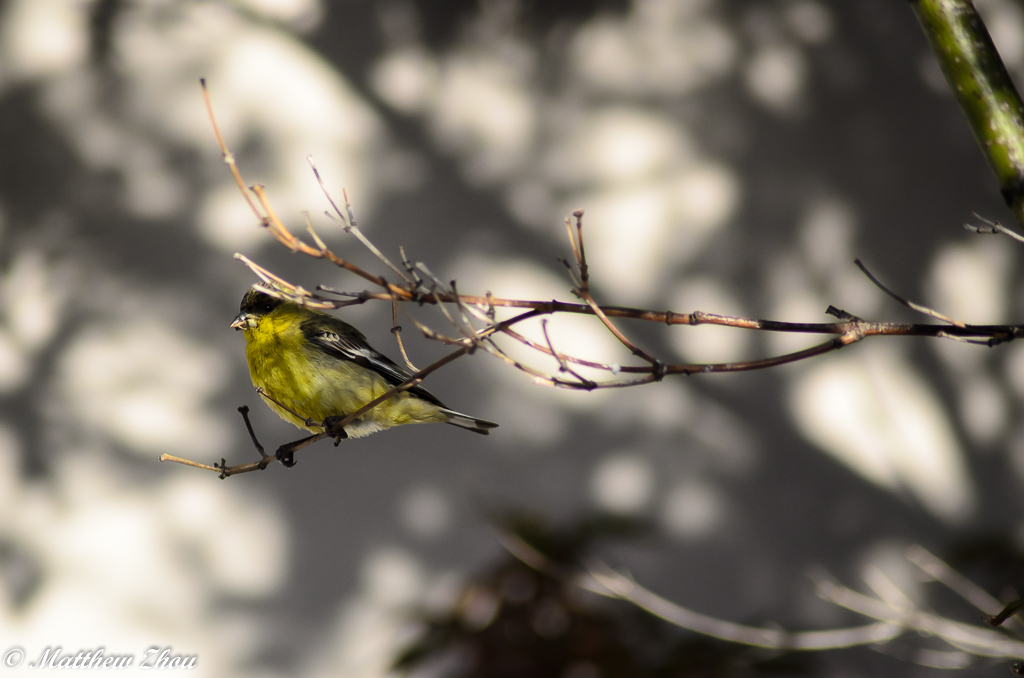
732, 157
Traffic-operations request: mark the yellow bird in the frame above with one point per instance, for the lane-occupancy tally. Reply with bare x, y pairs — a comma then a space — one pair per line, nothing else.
312, 366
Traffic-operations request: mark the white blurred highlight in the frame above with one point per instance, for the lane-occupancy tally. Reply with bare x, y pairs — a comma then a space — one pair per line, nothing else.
126, 562
317, 112
623, 483
983, 408
299, 13
425, 511
775, 77
406, 79
373, 626
626, 231
483, 107
884, 566
705, 196
659, 48
247, 61
693, 509
144, 385
392, 576
876, 415
969, 282
637, 234
42, 37
32, 297
651, 201
618, 144
250, 559
1013, 356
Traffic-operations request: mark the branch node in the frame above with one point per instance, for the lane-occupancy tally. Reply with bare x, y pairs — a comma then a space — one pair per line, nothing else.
839, 313
659, 370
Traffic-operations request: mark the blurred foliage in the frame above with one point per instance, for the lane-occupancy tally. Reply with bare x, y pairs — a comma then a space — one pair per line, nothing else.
514, 619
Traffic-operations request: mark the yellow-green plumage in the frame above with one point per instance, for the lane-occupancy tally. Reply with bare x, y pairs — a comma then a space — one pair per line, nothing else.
312, 366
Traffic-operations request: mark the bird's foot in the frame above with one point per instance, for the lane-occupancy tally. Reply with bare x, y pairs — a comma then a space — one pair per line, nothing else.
333, 430
286, 455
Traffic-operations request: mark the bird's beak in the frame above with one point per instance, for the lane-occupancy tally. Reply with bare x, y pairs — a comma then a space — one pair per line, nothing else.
243, 321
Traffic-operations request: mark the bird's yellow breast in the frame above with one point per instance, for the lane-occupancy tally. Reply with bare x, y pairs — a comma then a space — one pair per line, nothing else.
305, 385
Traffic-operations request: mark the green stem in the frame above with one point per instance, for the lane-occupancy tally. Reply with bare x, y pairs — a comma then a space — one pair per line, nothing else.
982, 87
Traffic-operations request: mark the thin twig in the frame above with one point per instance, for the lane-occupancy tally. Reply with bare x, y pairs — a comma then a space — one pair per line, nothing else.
227, 155
906, 302
563, 365
584, 270
348, 223
309, 229
396, 330
188, 462
280, 288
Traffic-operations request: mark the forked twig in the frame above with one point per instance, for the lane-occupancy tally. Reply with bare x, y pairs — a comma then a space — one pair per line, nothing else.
347, 222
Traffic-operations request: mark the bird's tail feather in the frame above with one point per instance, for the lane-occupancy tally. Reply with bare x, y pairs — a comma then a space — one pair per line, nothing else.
469, 423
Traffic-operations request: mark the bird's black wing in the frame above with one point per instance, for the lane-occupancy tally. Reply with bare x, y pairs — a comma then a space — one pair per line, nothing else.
340, 340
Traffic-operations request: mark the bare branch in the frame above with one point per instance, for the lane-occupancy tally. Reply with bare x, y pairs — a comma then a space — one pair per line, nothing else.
420, 285
604, 580
621, 586
939, 571
975, 639
895, 613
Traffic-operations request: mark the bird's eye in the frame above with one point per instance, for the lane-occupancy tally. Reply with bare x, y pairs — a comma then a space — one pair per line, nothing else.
268, 307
